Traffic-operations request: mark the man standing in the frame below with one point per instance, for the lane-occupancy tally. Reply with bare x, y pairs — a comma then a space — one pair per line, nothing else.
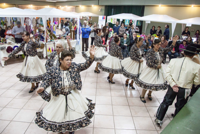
85, 35
166, 33
18, 31
181, 74
116, 28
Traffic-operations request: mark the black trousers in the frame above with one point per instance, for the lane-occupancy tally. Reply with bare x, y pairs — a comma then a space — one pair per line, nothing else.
168, 100
84, 44
92, 40
106, 38
18, 40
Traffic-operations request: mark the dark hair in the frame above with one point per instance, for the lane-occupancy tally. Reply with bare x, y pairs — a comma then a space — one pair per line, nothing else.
154, 27
65, 53
27, 34
196, 32
163, 36
186, 27
116, 39
122, 23
156, 41
138, 39
188, 54
49, 31
167, 25
9, 27
98, 30
159, 26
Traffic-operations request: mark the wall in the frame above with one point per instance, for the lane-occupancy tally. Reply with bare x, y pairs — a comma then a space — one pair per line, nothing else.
176, 12
99, 10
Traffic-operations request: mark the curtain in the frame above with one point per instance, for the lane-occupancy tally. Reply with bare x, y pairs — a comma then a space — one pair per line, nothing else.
112, 10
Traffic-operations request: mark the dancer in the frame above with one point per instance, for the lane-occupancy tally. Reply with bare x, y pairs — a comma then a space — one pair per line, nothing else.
60, 46
111, 63
68, 110
54, 61
132, 66
152, 76
181, 77
33, 69
100, 52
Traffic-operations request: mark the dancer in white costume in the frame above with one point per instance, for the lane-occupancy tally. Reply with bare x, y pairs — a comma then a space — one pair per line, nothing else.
33, 69
100, 52
112, 63
133, 65
54, 61
67, 110
152, 76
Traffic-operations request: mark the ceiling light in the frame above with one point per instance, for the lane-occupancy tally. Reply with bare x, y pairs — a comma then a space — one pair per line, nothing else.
80, 6
92, 5
192, 5
4, 4
31, 5
159, 5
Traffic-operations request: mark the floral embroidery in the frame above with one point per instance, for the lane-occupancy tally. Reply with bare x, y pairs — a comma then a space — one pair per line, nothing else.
30, 79
110, 70
135, 53
68, 125
53, 76
98, 41
115, 51
152, 59
154, 87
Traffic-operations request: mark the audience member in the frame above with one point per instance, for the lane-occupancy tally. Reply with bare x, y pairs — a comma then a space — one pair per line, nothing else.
166, 33
131, 31
164, 42
2, 32
116, 28
93, 33
182, 46
18, 31
153, 30
8, 33
132, 40
159, 31
106, 32
186, 32
85, 35
189, 40
175, 51
122, 30
124, 44
197, 34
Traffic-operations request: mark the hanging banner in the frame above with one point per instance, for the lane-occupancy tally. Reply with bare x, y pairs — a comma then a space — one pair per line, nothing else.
102, 21
126, 22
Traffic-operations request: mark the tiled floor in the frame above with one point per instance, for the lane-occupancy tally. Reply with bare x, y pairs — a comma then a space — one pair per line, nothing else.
118, 108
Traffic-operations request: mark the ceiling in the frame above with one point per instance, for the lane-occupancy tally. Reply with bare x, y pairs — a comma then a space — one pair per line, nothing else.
102, 2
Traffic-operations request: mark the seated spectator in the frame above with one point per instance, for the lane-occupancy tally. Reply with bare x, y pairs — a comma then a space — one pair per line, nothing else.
2, 32
164, 42
182, 46
153, 30
186, 32
159, 31
148, 42
189, 40
124, 44
122, 30
175, 51
197, 34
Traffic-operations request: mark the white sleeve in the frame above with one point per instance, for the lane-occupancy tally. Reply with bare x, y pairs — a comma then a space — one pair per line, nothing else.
168, 74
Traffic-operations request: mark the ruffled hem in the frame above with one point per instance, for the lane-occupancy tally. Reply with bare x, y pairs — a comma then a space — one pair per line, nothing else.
45, 96
153, 87
31, 79
130, 75
110, 70
70, 126
95, 58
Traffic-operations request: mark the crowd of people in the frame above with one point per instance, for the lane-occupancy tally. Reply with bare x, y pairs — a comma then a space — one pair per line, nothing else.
68, 110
